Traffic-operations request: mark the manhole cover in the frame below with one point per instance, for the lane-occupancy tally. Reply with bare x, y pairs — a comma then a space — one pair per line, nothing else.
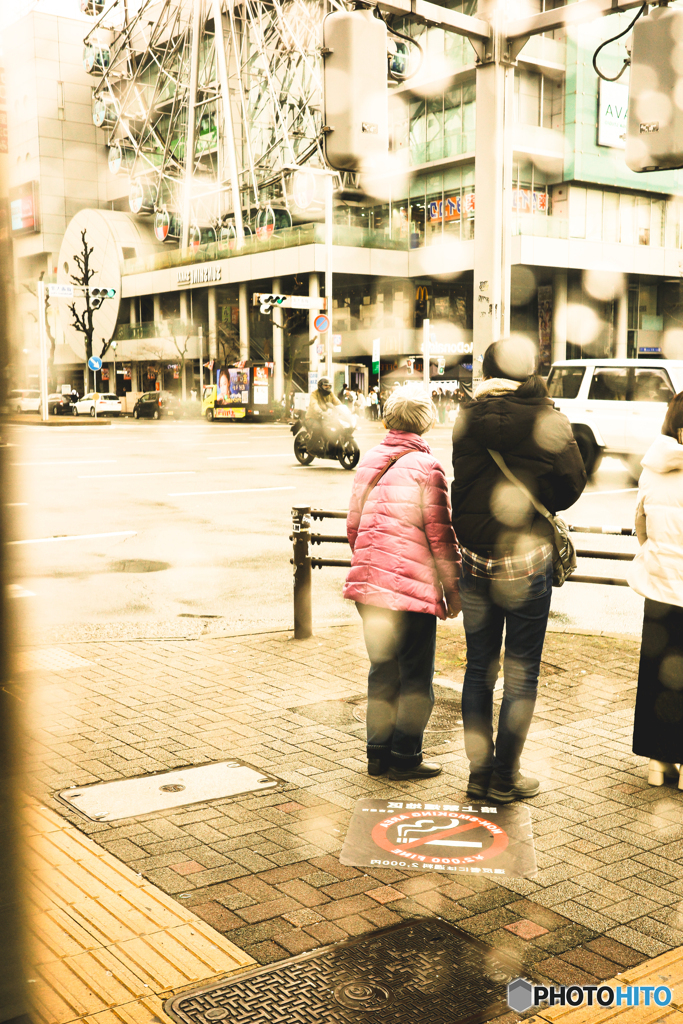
128, 798
425, 970
446, 716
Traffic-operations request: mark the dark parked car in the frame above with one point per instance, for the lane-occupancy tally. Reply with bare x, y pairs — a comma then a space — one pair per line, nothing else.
155, 404
59, 405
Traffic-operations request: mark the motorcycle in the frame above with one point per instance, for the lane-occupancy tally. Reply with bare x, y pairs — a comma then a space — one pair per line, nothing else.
337, 441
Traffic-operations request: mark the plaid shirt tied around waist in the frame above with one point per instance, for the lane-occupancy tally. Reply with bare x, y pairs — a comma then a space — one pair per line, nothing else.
509, 567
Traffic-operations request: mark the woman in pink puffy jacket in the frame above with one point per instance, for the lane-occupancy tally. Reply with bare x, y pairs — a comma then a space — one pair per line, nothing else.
404, 575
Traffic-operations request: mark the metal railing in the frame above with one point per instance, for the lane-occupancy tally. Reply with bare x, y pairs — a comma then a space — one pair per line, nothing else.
304, 563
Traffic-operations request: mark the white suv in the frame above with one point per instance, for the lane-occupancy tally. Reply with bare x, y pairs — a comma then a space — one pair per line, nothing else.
615, 406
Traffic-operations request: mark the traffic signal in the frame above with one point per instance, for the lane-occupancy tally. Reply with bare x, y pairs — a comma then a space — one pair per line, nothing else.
654, 137
102, 293
356, 93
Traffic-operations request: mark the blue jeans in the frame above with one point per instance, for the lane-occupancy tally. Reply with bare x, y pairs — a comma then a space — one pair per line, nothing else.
522, 607
401, 647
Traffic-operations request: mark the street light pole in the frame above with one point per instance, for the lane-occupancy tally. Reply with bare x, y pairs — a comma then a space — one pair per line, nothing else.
329, 238
493, 190
42, 338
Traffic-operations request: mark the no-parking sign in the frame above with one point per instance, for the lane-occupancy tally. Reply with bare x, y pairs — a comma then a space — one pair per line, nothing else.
322, 323
463, 838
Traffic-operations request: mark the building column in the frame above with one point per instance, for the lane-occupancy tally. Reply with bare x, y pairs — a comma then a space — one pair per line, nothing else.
213, 318
184, 307
313, 336
157, 308
621, 326
133, 311
244, 321
278, 346
559, 340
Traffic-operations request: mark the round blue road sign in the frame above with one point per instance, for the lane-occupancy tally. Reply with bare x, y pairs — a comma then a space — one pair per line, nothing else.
95, 363
321, 323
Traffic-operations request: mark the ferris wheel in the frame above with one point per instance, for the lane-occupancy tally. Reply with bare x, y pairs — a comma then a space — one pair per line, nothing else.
208, 105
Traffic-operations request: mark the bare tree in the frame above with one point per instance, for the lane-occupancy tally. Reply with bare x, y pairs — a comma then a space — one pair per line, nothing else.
228, 343
84, 322
181, 340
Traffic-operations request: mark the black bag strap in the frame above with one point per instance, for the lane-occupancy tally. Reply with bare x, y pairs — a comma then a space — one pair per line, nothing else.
506, 471
392, 461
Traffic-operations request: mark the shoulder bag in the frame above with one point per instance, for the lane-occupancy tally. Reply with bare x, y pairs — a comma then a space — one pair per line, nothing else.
371, 486
564, 554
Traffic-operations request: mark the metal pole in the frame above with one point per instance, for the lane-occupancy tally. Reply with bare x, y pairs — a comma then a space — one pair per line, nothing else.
493, 181
94, 404
191, 118
227, 121
42, 338
301, 560
244, 321
425, 352
278, 346
329, 230
201, 365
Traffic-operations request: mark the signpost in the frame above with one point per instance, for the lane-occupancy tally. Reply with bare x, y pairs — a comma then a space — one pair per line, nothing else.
267, 300
95, 364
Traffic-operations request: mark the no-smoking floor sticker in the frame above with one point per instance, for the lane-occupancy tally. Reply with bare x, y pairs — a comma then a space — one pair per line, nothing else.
464, 838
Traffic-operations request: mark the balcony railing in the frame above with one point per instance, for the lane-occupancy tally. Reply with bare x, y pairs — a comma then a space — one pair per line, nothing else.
159, 329
304, 234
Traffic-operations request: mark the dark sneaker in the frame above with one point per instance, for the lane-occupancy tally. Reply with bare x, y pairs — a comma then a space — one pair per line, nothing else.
504, 791
478, 785
377, 767
426, 770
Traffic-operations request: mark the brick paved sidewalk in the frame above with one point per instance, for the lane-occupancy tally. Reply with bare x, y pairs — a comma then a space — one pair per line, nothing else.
265, 871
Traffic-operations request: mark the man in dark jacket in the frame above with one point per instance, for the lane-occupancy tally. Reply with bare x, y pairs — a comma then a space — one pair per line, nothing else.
507, 555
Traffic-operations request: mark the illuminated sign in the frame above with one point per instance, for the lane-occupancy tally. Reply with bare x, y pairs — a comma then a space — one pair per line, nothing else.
450, 348
452, 208
612, 114
205, 273
23, 208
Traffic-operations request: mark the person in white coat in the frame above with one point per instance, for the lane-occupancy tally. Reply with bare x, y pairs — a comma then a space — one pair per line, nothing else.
656, 574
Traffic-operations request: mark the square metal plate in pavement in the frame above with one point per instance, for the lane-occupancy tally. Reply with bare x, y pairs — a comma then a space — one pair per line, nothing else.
422, 970
129, 798
464, 838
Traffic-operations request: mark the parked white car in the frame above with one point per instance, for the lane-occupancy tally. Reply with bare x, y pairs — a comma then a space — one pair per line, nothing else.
105, 404
24, 400
615, 406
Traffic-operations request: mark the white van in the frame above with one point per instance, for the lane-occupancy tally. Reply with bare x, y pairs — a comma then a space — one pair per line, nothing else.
615, 406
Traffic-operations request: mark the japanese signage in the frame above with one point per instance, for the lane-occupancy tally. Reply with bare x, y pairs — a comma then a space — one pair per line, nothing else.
463, 838
612, 114
205, 273
229, 414
23, 208
232, 387
452, 208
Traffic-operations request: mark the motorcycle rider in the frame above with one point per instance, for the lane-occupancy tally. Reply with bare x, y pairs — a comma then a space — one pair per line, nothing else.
320, 402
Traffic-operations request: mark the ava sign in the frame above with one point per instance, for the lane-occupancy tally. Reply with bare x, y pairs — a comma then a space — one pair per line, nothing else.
612, 114
95, 363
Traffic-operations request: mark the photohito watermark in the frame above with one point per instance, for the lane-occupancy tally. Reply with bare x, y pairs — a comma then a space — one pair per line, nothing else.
522, 995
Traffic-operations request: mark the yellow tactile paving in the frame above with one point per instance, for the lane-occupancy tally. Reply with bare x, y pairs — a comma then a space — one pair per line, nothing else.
108, 947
